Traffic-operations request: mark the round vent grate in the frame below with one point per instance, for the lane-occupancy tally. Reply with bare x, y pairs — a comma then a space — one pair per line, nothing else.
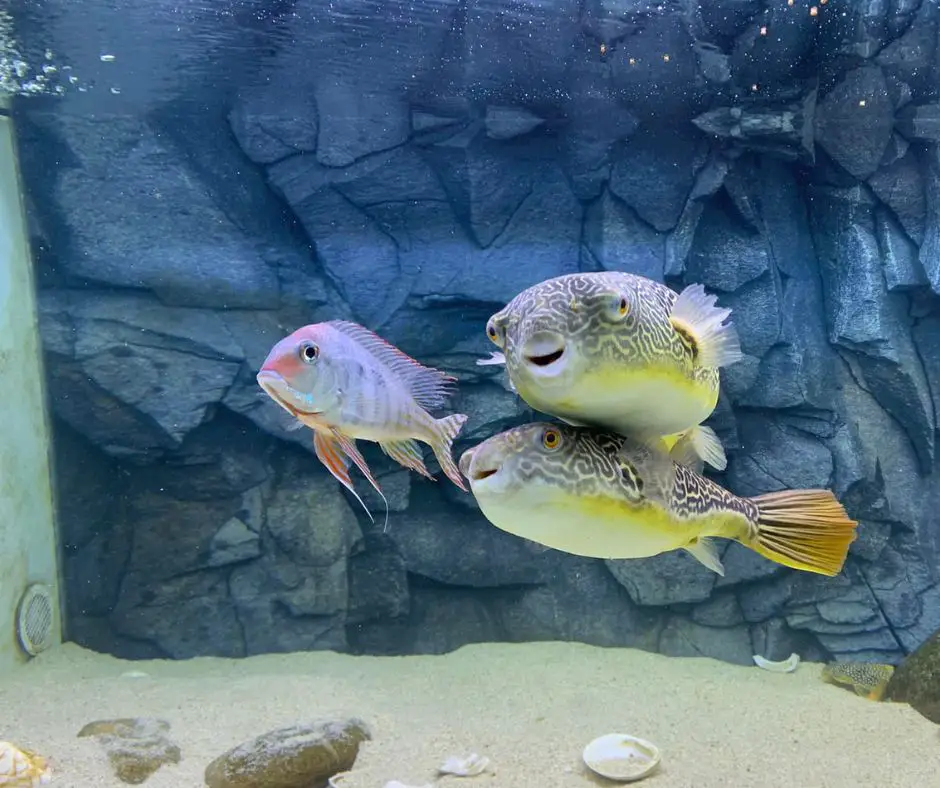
34, 618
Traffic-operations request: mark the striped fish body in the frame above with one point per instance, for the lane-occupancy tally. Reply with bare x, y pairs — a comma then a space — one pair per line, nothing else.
602, 495
616, 351
346, 383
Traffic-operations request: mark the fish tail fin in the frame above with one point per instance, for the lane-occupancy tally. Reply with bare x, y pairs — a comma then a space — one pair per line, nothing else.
445, 430
803, 529
700, 323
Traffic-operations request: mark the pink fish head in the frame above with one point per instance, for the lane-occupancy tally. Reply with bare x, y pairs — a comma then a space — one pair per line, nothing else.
299, 373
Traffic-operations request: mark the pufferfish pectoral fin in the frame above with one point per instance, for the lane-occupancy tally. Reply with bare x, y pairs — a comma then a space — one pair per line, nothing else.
495, 359
704, 551
699, 444
700, 322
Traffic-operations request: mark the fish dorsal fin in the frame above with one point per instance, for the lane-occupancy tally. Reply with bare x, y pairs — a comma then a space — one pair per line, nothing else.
429, 387
701, 325
698, 444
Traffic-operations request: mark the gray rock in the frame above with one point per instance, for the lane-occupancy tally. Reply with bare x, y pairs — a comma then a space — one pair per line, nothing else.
930, 248
266, 132
664, 579
131, 374
182, 246
682, 637
233, 543
721, 237
658, 196
378, 581
617, 240
911, 57
503, 123
902, 268
770, 60
855, 119
873, 324
900, 186
469, 552
919, 121
727, 18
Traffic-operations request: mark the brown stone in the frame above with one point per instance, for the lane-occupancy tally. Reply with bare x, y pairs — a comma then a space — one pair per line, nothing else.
136, 747
299, 756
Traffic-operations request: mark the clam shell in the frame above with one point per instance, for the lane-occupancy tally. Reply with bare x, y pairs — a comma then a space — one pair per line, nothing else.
21, 768
621, 757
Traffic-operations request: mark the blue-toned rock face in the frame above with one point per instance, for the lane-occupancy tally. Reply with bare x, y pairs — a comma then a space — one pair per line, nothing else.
259, 165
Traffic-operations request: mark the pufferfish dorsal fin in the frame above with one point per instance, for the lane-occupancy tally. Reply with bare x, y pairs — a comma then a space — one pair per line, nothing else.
698, 445
700, 324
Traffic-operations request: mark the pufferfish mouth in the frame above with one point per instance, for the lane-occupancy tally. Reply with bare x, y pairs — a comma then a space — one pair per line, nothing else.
478, 472
544, 351
547, 359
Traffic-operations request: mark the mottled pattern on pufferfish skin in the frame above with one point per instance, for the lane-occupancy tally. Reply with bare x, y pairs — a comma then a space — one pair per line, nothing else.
576, 304
590, 462
868, 679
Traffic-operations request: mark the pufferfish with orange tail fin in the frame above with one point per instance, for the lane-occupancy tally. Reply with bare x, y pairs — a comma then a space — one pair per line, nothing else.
347, 383
602, 495
620, 352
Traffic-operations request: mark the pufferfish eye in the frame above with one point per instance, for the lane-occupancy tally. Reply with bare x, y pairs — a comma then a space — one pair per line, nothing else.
551, 438
492, 331
309, 352
618, 307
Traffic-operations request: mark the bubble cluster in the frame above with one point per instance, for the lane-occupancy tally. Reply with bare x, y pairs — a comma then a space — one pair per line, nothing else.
19, 78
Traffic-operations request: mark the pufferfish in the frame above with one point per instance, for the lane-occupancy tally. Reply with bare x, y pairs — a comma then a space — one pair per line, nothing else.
621, 352
602, 495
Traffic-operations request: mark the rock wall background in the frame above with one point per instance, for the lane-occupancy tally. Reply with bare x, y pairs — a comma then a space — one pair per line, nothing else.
241, 169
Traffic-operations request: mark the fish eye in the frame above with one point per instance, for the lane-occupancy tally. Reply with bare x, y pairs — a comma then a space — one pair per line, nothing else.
492, 332
551, 438
309, 352
618, 307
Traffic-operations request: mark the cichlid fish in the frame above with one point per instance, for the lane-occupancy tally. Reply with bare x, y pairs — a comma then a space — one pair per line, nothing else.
602, 495
620, 352
347, 383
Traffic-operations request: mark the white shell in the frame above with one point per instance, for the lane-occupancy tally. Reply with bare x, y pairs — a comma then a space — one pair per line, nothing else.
621, 757
787, 665
21, 769
470, 766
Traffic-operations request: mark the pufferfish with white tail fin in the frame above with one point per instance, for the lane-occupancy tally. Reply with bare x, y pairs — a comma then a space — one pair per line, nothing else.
602, 495
620, 352
347, 383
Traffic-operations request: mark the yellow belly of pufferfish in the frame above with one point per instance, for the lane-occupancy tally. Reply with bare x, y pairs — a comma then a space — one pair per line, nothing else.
659, 401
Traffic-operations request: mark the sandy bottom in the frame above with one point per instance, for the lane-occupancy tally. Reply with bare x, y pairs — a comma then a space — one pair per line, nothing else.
530, 708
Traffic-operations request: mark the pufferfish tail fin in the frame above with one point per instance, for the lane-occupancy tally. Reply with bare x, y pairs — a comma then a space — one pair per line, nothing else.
700, 323
803, 529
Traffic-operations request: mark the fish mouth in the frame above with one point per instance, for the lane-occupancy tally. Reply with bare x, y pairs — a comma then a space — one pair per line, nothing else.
545, 352
272, 383
475, 471
547, 359
479, 474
